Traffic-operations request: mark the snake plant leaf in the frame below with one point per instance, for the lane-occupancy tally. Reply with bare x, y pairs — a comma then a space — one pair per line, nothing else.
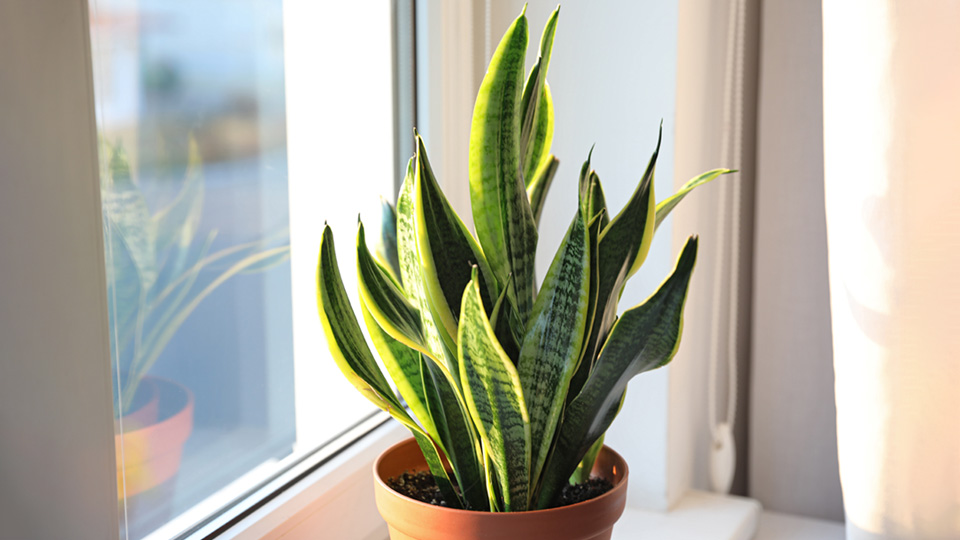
536, 113
128, 216
431, 453
493, 487
551, 348
458, 438
177, 223
385, 301
427, 224
447, 250
162, 333
593, 201
125, 293
386, 250
505, 322
585, 361
584, 182
537, 151
628, 236
404, 367
346, 341
665, 206
537, 190
442, 413
645, 337
351, 354
596, 201
501, 211
411, 272
623, 246
582, 473
495, 399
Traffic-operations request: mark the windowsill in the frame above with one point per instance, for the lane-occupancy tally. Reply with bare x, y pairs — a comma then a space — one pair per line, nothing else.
777, 526
697, 516
334, 501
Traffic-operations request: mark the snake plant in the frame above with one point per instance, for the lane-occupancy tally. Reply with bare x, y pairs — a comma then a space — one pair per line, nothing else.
511, 385
158, 271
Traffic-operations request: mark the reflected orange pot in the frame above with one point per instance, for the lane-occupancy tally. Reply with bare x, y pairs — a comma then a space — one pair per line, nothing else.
409, 519
149, 449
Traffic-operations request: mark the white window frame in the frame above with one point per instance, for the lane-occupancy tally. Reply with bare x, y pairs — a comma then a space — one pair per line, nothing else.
58, 473
56, 406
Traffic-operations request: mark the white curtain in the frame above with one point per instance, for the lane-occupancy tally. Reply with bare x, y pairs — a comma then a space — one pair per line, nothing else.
891, 95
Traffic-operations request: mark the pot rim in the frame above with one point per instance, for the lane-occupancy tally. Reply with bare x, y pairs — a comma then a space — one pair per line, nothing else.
459, 511
164, 423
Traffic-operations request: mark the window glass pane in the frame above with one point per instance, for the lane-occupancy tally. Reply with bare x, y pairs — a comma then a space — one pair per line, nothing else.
228, 136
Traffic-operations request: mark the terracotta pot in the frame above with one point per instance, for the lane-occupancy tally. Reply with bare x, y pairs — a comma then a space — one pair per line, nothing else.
409, 519
149, 455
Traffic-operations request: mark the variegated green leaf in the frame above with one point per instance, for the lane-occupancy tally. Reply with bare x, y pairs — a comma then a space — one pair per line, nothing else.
501, 211
644, 338
447, 250
344, 338
587, 350
596, 201
585, 169
444, 398
458, 437
594, 204
536, 114
412, 274
493, 487
351, 354
551, 347
537, 190
625, 242
665, 206
128, 216
177, 224
541, 137
403, 366
505, 323
623, 246
494, 398
432, 455
582, 472
163, 332
386, 250
385, 301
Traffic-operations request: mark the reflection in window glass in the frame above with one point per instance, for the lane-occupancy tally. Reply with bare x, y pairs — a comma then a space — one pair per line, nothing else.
198, 220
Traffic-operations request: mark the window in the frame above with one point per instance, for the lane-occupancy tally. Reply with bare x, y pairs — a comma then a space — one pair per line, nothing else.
228, 135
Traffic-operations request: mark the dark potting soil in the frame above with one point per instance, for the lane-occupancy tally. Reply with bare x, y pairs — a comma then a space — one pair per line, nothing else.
421, 486
594, 487
417, 485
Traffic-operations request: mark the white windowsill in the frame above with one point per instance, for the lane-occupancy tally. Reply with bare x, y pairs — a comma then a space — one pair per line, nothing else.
777, 526
707, 516
698, 516
334, 501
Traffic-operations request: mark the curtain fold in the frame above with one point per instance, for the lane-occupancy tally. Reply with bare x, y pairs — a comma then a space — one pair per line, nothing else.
891, 92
